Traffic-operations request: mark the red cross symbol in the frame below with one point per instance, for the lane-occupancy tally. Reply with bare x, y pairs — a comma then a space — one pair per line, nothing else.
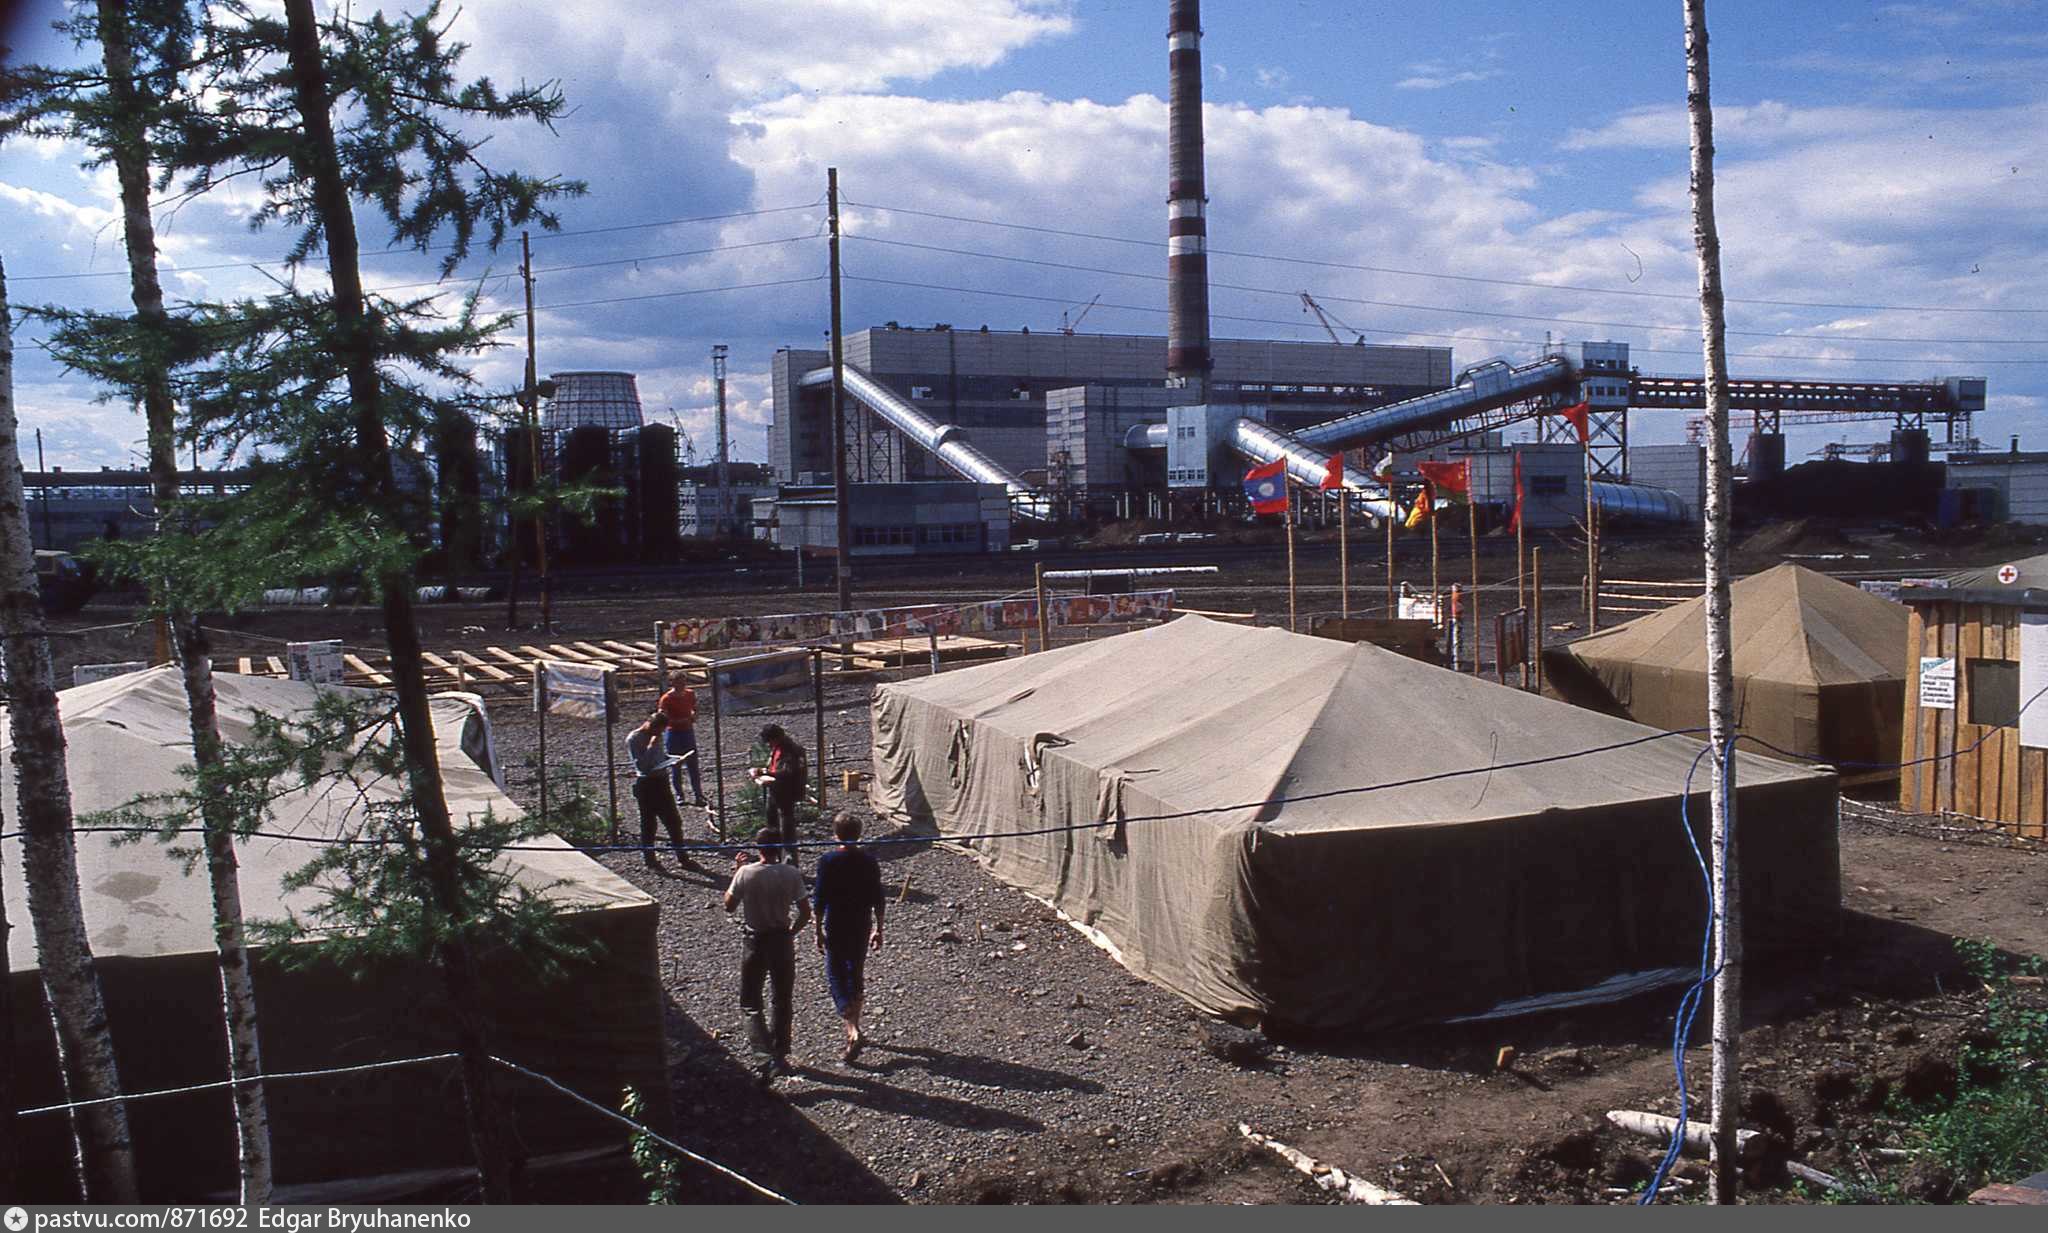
2008, 574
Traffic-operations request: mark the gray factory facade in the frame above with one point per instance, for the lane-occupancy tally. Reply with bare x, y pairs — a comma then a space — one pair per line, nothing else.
1053, 408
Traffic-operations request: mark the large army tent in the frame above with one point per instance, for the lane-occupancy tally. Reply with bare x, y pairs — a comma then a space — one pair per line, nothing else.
1306, 832
597, 1027
1820, 667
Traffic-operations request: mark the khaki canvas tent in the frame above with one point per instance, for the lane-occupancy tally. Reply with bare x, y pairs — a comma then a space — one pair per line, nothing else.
1820, 667
1429, 895
596, 1028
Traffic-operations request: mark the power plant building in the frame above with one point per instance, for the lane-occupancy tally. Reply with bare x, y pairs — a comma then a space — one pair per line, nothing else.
1025, 399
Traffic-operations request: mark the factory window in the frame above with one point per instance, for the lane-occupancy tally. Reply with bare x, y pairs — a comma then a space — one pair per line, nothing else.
1546, 485
1186, 432
1994, 688
920, 391
951, 533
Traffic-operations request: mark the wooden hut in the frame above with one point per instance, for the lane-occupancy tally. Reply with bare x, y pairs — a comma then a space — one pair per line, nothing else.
1976, 652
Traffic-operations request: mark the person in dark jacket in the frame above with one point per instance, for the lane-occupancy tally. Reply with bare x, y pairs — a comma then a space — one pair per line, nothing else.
782, 783
848, 892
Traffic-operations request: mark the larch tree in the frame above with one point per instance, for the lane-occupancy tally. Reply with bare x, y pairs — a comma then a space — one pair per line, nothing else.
323, 114
1724, 1087
71, 983
144, 51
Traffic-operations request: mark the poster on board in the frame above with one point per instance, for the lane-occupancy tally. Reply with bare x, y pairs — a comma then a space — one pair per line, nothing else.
580, 691
1938, 683
778, 679
317, 662
2034, 680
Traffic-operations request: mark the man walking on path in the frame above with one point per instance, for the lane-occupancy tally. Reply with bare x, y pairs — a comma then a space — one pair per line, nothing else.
849, 898
764, 891
651, 791
679, 703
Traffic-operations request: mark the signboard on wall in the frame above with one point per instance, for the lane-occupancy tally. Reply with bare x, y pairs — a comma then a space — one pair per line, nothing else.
1938, 683
2034, 680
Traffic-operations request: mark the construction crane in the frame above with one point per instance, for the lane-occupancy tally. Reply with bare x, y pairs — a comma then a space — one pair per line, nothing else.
1309, 305
1068, 327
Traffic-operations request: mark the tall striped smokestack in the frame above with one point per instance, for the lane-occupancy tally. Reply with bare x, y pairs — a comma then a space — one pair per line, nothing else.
1187, 231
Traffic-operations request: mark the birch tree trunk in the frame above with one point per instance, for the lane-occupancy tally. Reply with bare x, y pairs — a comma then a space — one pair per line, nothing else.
10, 1146
71, 984
1727, 919
372, 452
129, 149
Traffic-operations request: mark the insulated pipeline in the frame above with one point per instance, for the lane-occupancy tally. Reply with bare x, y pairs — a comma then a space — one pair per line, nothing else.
944, 441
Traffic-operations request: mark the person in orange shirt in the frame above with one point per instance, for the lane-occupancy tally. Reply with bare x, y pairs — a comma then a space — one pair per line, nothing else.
680, 705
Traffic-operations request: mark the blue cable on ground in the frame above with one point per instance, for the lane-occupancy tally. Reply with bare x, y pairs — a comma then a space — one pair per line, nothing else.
1688, 1005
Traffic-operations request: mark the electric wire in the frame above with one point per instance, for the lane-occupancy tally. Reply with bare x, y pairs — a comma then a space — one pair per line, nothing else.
431, 248
1465, 338
1333, 298
1689, 296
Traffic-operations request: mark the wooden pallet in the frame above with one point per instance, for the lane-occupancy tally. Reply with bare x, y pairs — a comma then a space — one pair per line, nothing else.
507, 670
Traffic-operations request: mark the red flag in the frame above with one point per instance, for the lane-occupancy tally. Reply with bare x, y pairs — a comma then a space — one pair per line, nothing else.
1515, 522
1333, 475
1450, 480
1266, 487
1576, 413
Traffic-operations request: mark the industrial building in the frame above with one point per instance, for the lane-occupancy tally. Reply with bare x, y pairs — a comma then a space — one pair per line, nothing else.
920, 518
751, 486
2009, 487
1052, 407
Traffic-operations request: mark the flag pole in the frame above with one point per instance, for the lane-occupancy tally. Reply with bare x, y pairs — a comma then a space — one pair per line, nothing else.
1393, 516
1521, 554
1472, 523
1287, 487
1436, 586
1344, 553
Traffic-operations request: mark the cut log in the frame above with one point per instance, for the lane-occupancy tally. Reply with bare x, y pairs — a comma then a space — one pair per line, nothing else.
1749, 1143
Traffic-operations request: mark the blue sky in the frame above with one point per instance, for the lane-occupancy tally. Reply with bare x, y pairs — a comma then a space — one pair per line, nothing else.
1885, 159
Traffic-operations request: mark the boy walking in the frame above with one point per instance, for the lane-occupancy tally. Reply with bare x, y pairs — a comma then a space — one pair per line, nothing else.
849, 916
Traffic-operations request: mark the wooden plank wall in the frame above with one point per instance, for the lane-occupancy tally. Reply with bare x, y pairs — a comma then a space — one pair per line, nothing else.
1977, 770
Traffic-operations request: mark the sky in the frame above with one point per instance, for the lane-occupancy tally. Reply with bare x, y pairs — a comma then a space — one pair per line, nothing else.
1470, 173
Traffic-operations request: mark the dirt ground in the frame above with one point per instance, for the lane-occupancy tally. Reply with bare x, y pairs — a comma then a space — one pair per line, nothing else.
1013, 1061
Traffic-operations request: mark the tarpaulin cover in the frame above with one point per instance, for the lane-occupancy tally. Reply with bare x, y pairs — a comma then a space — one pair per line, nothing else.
1244, 869
2028, 572
1820, 667
150, 923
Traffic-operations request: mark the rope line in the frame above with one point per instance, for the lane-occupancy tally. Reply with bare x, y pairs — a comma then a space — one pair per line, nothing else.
222, 1083
666, 1142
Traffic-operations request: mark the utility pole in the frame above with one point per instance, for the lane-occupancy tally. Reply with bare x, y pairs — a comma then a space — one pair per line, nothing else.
1727, 918
532, 401
843, 555
725, 527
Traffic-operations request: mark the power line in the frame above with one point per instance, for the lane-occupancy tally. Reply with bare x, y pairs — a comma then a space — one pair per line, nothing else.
594, 265
1465, 338
1330, 297
663, 295
1463, 278
430, 248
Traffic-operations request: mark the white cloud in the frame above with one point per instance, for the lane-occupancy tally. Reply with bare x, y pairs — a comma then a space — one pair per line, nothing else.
1273, 78
1435, 75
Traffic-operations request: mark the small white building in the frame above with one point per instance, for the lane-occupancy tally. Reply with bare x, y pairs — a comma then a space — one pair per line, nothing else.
2010, 487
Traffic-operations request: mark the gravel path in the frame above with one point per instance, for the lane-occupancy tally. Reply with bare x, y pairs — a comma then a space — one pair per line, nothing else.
1009, 1058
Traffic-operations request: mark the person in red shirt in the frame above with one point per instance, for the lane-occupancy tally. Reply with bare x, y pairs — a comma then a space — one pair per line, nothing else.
680, 705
